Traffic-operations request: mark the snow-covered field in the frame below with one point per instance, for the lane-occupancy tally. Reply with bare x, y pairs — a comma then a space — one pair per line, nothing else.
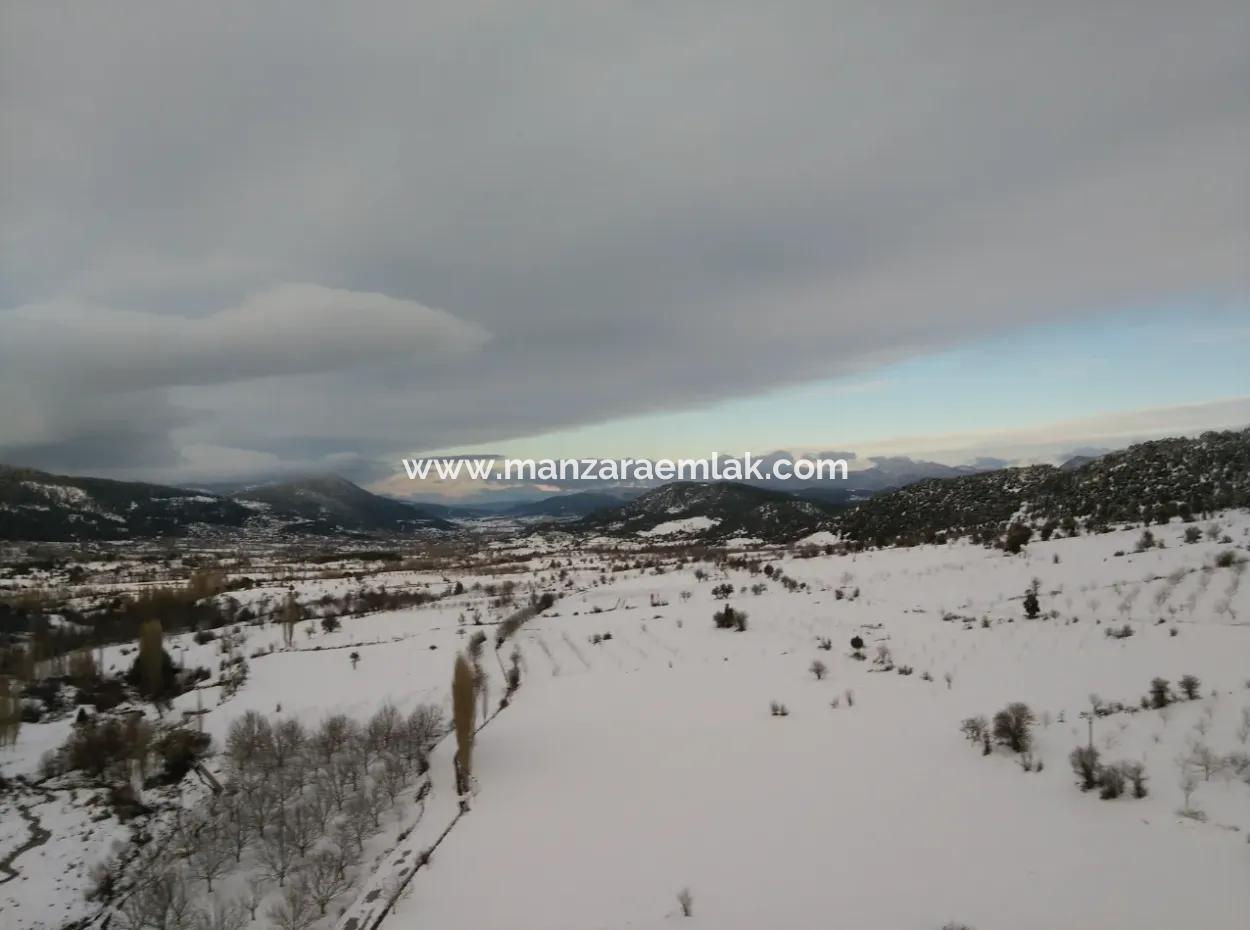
630, 767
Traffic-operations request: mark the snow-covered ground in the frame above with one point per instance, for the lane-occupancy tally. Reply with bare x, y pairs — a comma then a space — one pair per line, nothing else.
628, 768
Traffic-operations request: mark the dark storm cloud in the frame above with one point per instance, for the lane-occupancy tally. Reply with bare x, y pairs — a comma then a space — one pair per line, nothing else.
644, 206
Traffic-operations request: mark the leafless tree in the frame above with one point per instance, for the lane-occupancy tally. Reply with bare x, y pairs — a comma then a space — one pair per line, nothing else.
358, 817
685, 900
304, 824
325, 878
294, 910
161, 902
333, 737
334, 781
383, 729
423, 728
392, 774
257, 886
222, 914
1203, 759
276, 853
248, 739
210, 847
287, 747
236, 824
261, 803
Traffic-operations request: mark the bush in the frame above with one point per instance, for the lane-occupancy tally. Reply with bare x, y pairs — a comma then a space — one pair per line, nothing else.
974, 728
1018, 536
1112, 782
1160, 693
1226, 559
818, 669
1190, 686
1135, 772
686, 902
1085, 764
1012, 726
730, 619
1031, 607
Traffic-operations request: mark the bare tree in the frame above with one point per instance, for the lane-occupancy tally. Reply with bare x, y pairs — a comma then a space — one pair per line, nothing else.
333, 737
294, 910
161, 902
384, 728
289, 740
325, 878
222, 914
304, 823
392, 775
257, 886
334, 780
248, 739
277, 851
423, 728
818, 669
358, 819
1188, 784
211, 849
261, 802
685, 900
236, 824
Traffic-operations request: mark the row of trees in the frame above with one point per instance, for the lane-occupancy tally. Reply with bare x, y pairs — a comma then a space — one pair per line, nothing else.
297, 808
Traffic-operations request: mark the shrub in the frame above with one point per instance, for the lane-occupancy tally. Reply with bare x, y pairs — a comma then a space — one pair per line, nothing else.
778, 709
686, 902
730, 619
1193, 534
1160, 693
1190, 686
1018, 535
1012, 726
1135, 772
1112, 782
1031, 607
1225, 559
818, 669
330, 623
1084, 761
974, 728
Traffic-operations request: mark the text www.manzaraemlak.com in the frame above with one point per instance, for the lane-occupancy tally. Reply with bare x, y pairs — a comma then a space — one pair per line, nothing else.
717, 468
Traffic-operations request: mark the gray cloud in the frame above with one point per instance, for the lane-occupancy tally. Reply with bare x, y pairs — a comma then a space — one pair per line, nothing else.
645, 206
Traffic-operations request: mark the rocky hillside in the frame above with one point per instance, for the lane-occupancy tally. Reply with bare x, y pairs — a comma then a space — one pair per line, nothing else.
715, 511
327, 503
37, 506
1151, 481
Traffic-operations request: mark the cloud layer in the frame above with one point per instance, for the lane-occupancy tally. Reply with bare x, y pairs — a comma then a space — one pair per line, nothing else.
645, 206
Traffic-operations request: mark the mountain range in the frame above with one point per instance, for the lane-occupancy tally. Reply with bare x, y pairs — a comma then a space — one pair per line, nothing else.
887, 505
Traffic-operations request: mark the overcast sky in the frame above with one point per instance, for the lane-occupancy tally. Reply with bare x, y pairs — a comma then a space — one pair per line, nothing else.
242, 239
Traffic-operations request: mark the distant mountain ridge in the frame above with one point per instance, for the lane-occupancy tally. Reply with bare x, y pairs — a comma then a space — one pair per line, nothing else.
37, 506
330, 501
733, 509
1150, 481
